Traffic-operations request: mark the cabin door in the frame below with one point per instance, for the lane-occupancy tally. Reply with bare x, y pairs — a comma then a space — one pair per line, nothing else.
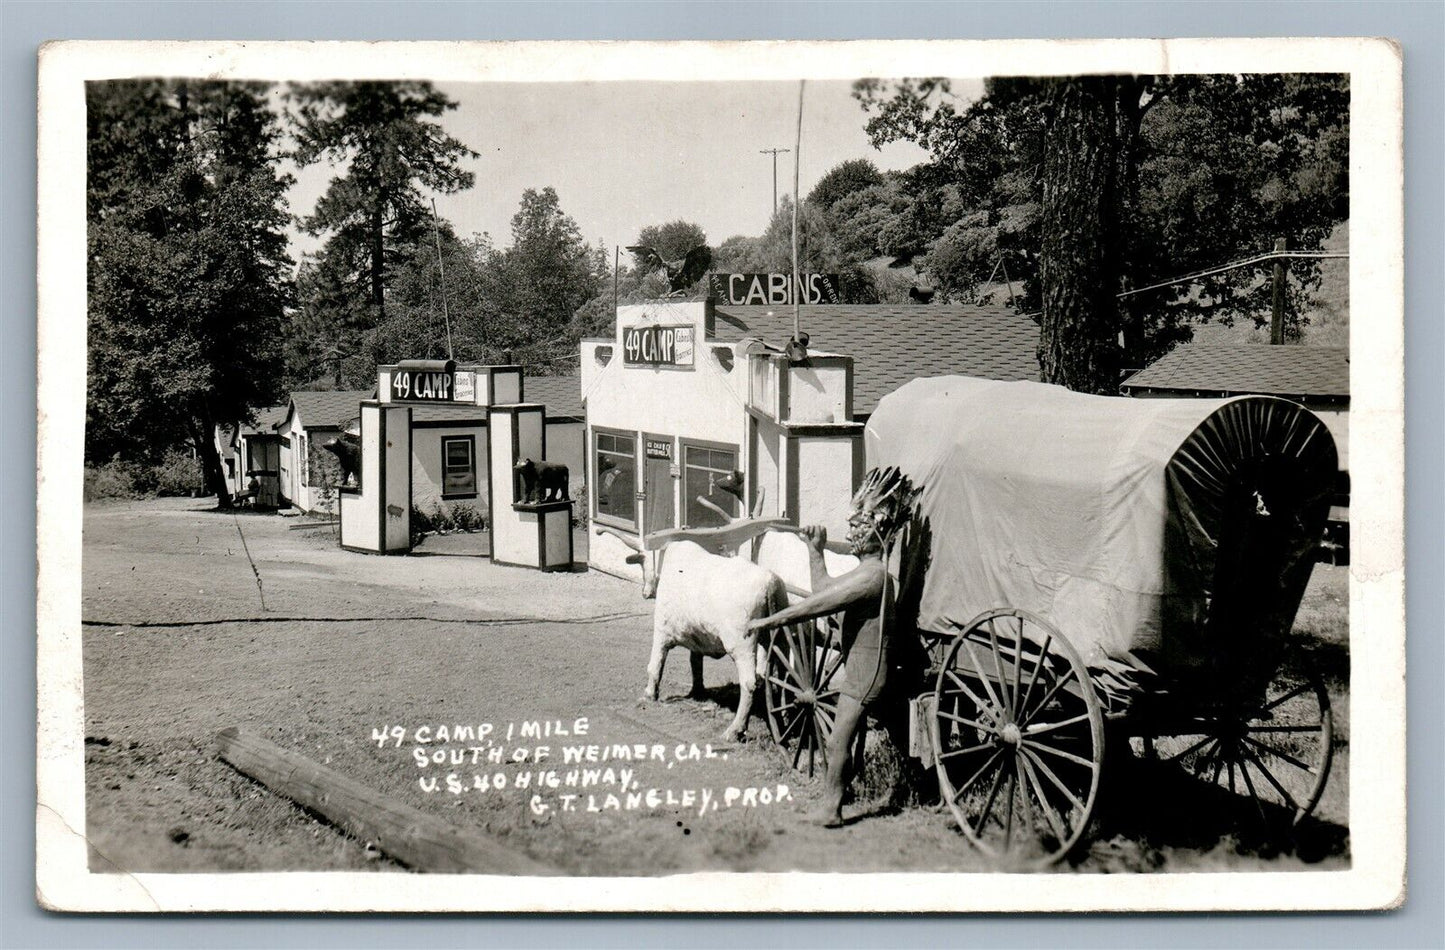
659, 462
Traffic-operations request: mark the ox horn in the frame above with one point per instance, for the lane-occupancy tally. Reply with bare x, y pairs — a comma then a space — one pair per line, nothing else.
632, 543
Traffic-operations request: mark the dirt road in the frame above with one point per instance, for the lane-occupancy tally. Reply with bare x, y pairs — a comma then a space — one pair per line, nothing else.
198, 620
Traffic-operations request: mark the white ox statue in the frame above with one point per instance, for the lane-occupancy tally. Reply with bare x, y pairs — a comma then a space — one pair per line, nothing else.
704, 603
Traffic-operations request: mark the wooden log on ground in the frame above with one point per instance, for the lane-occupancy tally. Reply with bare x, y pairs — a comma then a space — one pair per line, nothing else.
416, 839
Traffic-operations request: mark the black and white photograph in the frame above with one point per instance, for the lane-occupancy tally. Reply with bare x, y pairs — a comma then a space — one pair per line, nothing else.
654, 476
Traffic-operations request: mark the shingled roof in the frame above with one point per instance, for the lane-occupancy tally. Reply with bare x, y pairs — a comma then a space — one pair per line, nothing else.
892, 345
329, 410
562, 395
266, 420
1300, 372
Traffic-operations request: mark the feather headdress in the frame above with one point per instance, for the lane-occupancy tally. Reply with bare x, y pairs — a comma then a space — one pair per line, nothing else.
886, 499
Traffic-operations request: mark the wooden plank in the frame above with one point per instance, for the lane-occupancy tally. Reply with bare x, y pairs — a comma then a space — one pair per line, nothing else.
416, 839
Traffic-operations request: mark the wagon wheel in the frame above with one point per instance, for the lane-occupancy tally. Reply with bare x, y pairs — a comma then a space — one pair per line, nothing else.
1275, 749
801, 675
1018, 738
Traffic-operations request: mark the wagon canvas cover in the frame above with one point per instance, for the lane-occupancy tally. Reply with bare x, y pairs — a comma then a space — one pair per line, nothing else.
1145, 530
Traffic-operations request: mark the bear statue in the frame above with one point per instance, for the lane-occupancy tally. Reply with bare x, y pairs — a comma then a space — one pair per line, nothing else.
347, 449
540, 481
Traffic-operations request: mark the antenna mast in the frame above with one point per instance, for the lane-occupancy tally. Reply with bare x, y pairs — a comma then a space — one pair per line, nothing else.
797, 154
437, 236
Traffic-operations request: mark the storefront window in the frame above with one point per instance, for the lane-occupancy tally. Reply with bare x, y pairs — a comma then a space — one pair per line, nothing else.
701, 466
616, 476
459, 467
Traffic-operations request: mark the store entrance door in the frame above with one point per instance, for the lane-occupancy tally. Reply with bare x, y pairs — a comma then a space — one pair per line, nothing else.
659, 462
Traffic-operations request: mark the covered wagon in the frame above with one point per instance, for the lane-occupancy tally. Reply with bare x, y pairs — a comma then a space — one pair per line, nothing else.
1079, 562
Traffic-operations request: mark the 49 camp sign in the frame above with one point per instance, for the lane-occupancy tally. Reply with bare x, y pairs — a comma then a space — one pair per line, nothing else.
657, 346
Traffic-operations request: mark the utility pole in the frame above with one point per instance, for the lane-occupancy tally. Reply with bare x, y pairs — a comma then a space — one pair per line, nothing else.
774, 152
1276, 317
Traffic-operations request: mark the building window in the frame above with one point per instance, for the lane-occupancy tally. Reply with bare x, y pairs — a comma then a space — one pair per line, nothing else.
616, 476
701, 466
303, 458
459, 467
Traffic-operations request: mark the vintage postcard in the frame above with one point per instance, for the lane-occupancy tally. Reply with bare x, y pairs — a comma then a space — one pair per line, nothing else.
973, 425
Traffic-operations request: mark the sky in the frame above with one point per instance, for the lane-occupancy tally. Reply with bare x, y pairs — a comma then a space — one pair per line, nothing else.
625, 155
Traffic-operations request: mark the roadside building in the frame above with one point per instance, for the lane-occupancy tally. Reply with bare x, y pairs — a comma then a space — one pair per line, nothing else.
689, 399
258, 455
309, 474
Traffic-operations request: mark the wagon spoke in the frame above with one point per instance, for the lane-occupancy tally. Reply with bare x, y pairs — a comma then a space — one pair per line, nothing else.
1018, 665
988, 802
1036, 730
1049, 814
783, 736
1230, 763
802, 659
1249, 784
973, 697
973, 748
1034, 673
802, 741
1025, 716
1178, 757
975, 776
1087, 763
1271, 750
1058, 782
781, 684
787, 663
1022, 783
822, 746
1269, 777
966, 721
983, 677
1288, 696
1008, 813
831, 667
1002, 680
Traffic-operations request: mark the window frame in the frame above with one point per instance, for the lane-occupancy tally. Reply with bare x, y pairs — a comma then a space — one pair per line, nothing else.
598, 515
470, 441
684, 444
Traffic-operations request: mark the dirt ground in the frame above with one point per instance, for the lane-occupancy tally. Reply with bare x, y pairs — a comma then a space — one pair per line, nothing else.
326, 652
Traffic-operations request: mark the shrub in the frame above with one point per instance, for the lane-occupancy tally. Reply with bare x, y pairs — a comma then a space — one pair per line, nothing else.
114, 479
179, 473
467, 518
421, 524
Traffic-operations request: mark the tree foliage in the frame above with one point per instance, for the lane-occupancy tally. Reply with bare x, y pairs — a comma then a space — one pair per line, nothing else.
1209, 168
377, 221
188, 272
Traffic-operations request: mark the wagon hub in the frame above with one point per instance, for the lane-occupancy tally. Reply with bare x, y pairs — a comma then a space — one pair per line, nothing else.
1011, 735
807, 697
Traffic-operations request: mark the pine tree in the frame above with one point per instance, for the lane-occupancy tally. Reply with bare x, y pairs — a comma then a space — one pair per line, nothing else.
375, 213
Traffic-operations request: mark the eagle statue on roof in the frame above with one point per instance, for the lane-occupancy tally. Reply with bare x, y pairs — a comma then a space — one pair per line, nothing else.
681, 274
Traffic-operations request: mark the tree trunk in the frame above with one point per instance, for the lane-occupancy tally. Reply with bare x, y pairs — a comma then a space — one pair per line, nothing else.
378, 262
1132, 90
211, 471
1080, 253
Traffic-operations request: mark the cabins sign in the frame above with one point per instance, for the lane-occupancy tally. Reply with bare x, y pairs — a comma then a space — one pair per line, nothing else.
657, 346
773, 289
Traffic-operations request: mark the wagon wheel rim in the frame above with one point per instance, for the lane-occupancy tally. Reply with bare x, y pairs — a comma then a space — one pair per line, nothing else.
1275, 751
801, 672
1018, 745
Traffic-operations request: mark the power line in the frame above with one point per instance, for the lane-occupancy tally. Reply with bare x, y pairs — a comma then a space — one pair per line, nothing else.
1234, 265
